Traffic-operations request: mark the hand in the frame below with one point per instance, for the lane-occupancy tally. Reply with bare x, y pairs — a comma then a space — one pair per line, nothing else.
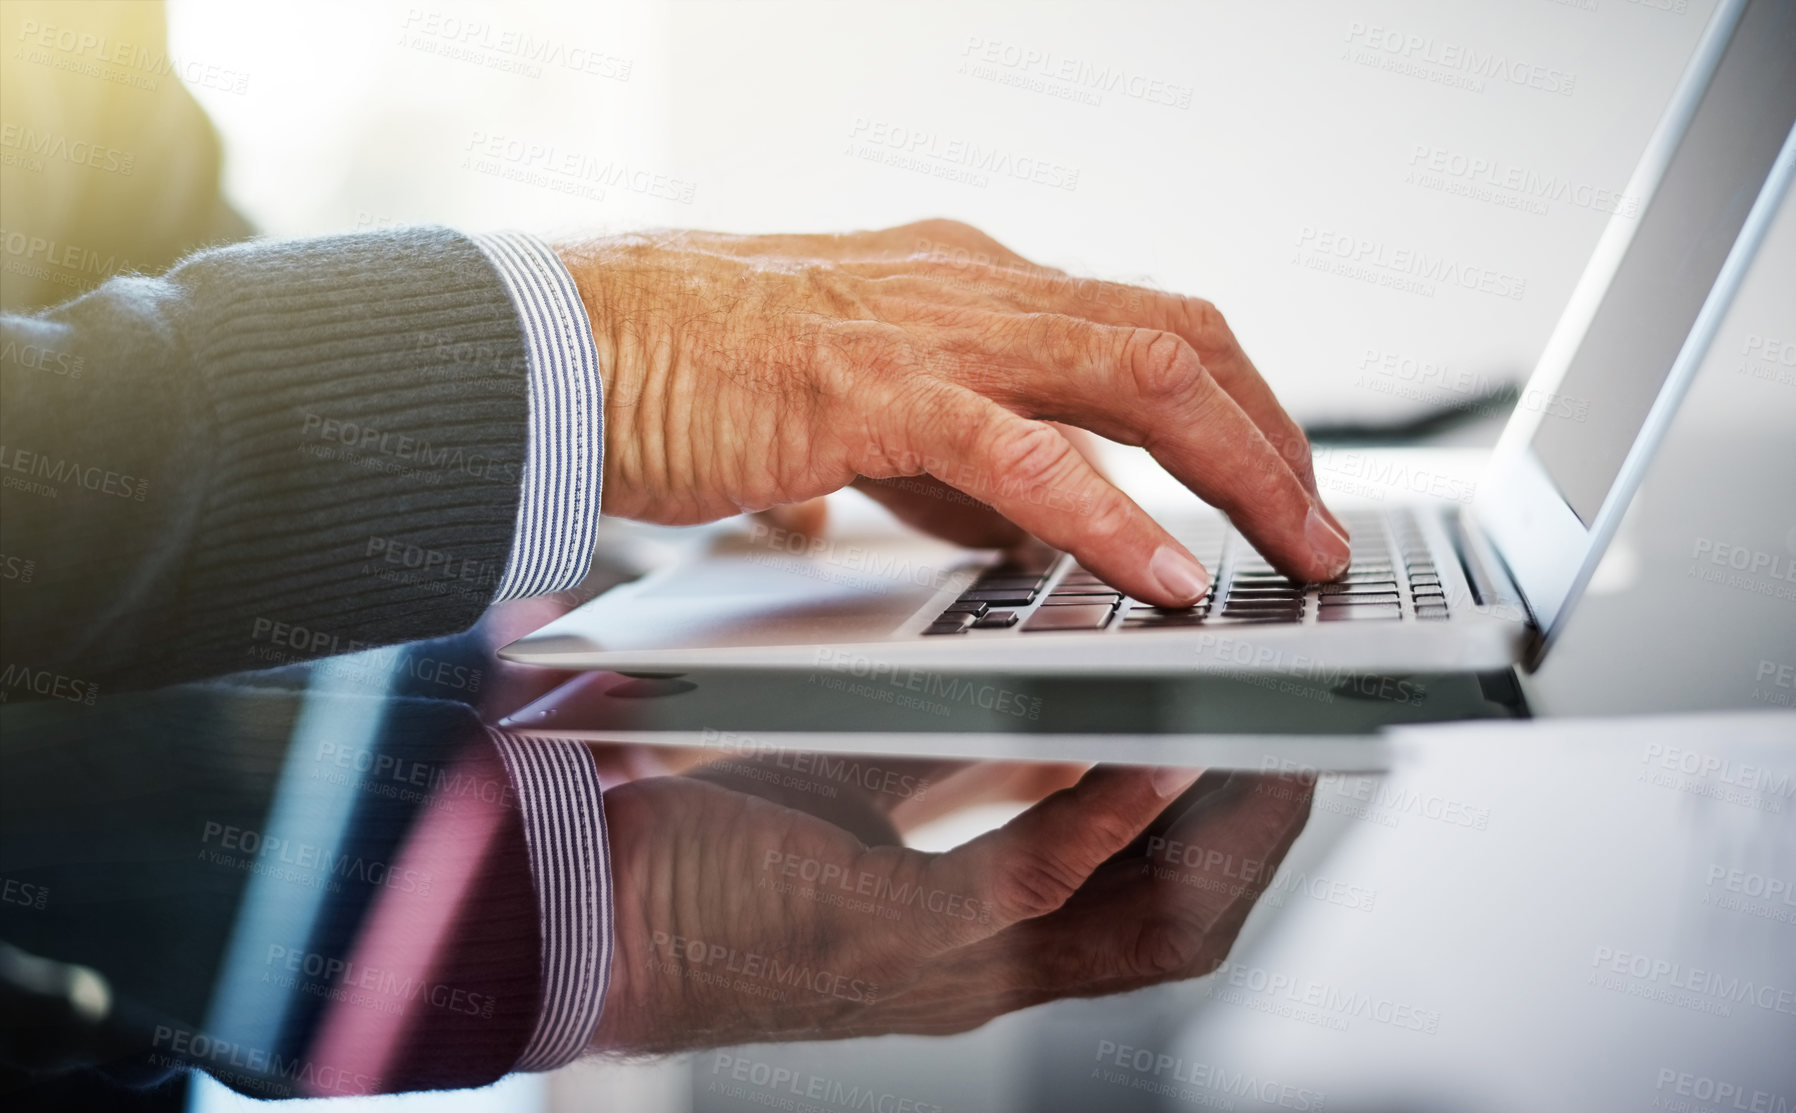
744, 372
928, 504
739, 920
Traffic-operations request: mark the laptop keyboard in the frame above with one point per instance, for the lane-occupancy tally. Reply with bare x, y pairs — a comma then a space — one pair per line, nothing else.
1392, 579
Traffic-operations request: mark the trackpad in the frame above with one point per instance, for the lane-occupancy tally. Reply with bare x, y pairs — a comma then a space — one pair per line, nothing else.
743, 594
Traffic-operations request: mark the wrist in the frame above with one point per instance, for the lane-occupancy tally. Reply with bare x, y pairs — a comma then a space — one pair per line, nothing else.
644, 1011
584, 261
599, 269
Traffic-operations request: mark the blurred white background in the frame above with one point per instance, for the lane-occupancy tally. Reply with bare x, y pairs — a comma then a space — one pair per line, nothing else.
1205, 147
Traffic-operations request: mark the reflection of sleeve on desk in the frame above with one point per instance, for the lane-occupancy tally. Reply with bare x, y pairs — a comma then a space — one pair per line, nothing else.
570, 862
486, 967
424, 908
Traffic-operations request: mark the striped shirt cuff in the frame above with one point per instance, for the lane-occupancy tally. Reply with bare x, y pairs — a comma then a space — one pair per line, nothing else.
570, 864
564, 463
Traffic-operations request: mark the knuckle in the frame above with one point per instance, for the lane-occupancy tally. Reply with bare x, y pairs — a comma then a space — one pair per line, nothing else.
1030, 453
1160, 366
915, 404
1107, 831
1054, 340
1164, 947
1187, 941
824, 287
1035, 884
1293, 447
1106, 524
1206, 400
1199, 407
865, 346
1202, 318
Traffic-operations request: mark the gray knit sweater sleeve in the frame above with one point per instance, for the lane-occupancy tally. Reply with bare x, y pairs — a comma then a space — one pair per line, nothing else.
200, 469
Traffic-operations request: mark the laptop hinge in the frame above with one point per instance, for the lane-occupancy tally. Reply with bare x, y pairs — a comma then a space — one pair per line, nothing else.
1475, 557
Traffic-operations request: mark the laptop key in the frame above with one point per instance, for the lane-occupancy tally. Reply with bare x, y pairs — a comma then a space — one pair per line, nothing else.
1163, 620
1078, 577
950, 624
1236, 614
1000, 597
997, 620
1359, 598
1012, 583
974, 608
1356, 587
1057, 600
1085, 617
1430, 612
1376, 611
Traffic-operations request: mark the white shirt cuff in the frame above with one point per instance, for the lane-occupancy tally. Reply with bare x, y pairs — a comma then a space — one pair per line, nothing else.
564, 464
563, 810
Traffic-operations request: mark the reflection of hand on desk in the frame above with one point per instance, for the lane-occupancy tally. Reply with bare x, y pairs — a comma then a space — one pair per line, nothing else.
742, 920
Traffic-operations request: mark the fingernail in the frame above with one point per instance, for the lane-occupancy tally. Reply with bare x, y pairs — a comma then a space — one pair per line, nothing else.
1180, 577
1333, 520
1171, 780
1330, 547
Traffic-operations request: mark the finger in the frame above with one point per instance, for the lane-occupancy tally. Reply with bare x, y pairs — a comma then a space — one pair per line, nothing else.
1148, 387
1212, 781
1200, 324
1086, 442
1234, 840
926, 503
807, 519
1185, 901
1209, 334
1195, 320
1030, 474
1172, 913
1031, 865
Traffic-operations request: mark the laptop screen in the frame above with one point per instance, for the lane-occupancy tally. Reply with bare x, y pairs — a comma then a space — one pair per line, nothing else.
1686, 230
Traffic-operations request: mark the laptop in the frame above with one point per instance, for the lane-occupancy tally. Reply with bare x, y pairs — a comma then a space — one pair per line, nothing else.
1432, 588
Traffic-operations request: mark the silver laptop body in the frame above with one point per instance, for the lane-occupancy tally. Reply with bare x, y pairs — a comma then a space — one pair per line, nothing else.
1431, 589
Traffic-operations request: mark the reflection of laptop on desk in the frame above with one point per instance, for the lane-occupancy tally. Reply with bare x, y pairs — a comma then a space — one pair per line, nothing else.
1430, 590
